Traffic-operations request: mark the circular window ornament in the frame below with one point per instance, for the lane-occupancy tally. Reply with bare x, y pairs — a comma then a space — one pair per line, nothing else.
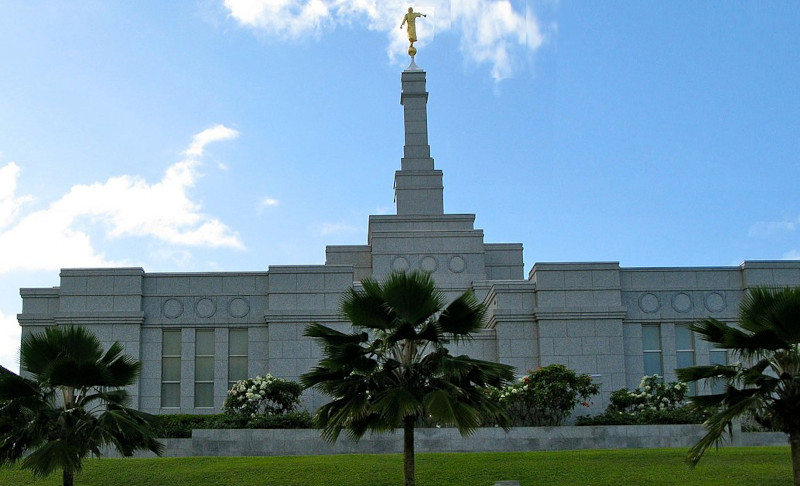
649, 302
205, 308
457, 264
682, 302
400, 264
238, 307
715, 302
172, 308
428, 264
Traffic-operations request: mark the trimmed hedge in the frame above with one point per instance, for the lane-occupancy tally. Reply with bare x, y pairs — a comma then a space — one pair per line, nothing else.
682, 415
180, 426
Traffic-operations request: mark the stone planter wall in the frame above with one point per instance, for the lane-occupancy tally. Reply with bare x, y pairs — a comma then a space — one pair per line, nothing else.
245, 442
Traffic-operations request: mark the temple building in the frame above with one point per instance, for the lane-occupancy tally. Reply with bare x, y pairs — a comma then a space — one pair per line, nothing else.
197, 333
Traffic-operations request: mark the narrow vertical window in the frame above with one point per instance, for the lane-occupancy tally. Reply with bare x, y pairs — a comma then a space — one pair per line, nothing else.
718, 357
171, 369
237, 356
651, 348
684, 349
204, 368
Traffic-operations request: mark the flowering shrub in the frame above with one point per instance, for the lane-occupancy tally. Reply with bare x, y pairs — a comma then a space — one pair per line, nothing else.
262, 395
653, 402
652, 394
545, 396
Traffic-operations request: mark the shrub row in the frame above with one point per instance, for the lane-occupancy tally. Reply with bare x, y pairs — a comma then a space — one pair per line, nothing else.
181, 425
543, 397
682, 415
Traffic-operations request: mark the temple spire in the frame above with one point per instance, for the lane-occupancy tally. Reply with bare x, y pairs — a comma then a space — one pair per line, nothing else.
418, 186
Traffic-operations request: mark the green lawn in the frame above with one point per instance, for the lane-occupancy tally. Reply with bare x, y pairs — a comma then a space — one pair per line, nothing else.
762, 466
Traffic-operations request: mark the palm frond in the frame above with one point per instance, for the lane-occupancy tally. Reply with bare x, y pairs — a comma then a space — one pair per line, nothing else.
411, 297
13, 386
467, 418
756, 344
463, 316
394, 403
327, 336
440, 404
735, 405
339, 414
706, 372
367, 308
52, 456
402, 331
707, 402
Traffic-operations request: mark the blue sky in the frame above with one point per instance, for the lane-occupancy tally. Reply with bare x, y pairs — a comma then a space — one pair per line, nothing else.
233, 135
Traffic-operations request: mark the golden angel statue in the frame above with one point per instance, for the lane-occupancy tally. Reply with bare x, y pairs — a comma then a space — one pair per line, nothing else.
410, 19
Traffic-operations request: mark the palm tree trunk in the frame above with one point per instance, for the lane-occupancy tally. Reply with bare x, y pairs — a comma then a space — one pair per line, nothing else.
408, 450
794, 442
68, 477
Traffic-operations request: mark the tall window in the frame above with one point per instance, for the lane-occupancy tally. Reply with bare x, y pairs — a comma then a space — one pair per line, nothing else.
237, 356
171, 368
684, 348
651, 348
718, 357
204, 368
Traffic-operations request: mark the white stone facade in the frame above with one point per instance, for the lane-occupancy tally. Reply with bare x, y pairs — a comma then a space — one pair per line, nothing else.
587, 316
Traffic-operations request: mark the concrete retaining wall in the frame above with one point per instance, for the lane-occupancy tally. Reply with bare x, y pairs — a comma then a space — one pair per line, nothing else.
246, 442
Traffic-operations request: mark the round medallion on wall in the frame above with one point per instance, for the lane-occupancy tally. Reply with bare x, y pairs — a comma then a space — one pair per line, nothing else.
428, 264
715, 302
649, 302
682, 302
205, 307
457, 264
400, 264
172, 308
238, 307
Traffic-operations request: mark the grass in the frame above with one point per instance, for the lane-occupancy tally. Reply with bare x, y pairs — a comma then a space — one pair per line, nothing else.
763, 466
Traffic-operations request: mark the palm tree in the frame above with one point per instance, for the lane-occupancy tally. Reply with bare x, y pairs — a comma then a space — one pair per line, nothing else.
394, 369
72, 406
765, 384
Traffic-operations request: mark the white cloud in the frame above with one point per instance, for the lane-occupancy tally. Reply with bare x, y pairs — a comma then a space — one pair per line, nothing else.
10, 334
216, 133
123, 206
494, 32
10, 204
281, 18
267, 202
767, 229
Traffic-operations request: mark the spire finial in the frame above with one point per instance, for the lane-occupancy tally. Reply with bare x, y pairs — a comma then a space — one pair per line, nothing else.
410, 19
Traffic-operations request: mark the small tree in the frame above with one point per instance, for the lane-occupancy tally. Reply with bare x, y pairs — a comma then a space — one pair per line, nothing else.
546, 396
72, 407
394, 368
764, 382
